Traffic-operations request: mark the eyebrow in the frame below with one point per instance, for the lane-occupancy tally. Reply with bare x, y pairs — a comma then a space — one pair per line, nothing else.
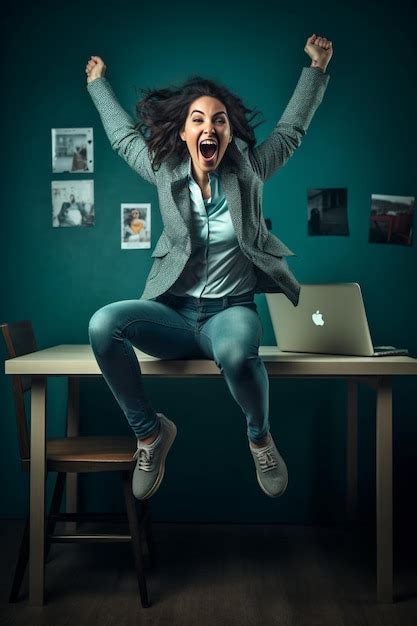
202, 113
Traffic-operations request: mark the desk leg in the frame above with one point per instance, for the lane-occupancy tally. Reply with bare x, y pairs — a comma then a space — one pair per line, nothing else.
352, 450
37, 491
72, 431
384, 490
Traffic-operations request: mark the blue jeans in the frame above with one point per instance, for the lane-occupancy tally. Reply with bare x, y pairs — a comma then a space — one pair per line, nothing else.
227, 330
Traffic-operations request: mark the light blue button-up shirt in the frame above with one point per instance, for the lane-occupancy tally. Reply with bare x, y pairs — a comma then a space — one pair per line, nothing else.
217, 267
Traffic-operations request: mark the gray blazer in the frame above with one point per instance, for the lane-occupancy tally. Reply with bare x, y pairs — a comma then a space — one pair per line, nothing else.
242, 174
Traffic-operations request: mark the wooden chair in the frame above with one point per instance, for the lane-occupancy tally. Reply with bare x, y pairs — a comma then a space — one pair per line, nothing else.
77, 455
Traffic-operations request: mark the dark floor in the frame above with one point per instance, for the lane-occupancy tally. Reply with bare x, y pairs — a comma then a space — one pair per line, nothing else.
219, 575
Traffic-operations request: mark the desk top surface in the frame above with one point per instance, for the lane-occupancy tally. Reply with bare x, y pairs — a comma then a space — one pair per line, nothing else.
79, 360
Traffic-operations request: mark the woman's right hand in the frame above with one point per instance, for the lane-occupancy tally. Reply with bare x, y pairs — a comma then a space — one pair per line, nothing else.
95, 68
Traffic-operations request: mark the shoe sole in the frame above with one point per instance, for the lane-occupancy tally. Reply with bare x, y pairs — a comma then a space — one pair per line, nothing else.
172, 434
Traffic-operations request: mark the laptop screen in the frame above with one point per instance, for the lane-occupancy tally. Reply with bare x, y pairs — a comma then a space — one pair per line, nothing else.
329, 319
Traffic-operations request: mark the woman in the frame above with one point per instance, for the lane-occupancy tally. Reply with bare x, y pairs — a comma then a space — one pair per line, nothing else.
196, 145
134, 227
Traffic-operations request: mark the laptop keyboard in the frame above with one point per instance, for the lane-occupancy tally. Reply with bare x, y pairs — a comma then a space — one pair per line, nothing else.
389, 351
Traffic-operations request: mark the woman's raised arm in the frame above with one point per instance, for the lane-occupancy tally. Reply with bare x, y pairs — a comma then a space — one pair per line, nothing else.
287, 135
120, 129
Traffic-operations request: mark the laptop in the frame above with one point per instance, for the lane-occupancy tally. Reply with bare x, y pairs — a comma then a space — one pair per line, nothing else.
329, 319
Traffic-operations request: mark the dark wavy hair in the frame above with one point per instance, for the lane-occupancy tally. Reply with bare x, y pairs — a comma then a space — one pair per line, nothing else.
163, 112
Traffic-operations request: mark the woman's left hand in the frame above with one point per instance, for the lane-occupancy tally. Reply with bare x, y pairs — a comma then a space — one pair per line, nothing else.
320, 50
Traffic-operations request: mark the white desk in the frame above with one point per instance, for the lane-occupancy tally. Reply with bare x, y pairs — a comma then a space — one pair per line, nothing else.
74, 361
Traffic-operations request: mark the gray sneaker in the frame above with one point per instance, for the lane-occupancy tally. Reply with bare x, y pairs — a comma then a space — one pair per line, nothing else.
150, 465
271, 470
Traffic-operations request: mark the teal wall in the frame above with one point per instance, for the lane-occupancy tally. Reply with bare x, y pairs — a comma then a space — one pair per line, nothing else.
363, 137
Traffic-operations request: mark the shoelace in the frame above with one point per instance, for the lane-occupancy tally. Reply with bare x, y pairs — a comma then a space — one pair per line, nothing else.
145, 456
267, 459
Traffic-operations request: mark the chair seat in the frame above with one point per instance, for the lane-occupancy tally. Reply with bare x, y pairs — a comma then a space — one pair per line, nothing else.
107, 449
74, 454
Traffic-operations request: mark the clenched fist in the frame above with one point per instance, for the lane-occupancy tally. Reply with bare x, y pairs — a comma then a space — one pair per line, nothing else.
320, 50
95, 68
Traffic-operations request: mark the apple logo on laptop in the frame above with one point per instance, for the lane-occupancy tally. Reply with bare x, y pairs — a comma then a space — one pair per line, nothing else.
318, 318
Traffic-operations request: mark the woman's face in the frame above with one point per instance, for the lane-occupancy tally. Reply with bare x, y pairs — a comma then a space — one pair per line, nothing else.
207, 132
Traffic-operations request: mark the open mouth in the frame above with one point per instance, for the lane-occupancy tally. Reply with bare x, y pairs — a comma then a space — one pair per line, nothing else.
208, 149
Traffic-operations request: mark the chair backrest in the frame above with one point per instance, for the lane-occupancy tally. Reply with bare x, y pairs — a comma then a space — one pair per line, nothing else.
20, 339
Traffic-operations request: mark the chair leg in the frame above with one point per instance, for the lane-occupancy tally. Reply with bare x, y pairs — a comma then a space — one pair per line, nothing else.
54, 509
23, 557
135, 534
21, 564
148, 534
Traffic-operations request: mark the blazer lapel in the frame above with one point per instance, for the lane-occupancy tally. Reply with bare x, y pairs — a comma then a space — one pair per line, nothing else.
181, 193
229, 182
